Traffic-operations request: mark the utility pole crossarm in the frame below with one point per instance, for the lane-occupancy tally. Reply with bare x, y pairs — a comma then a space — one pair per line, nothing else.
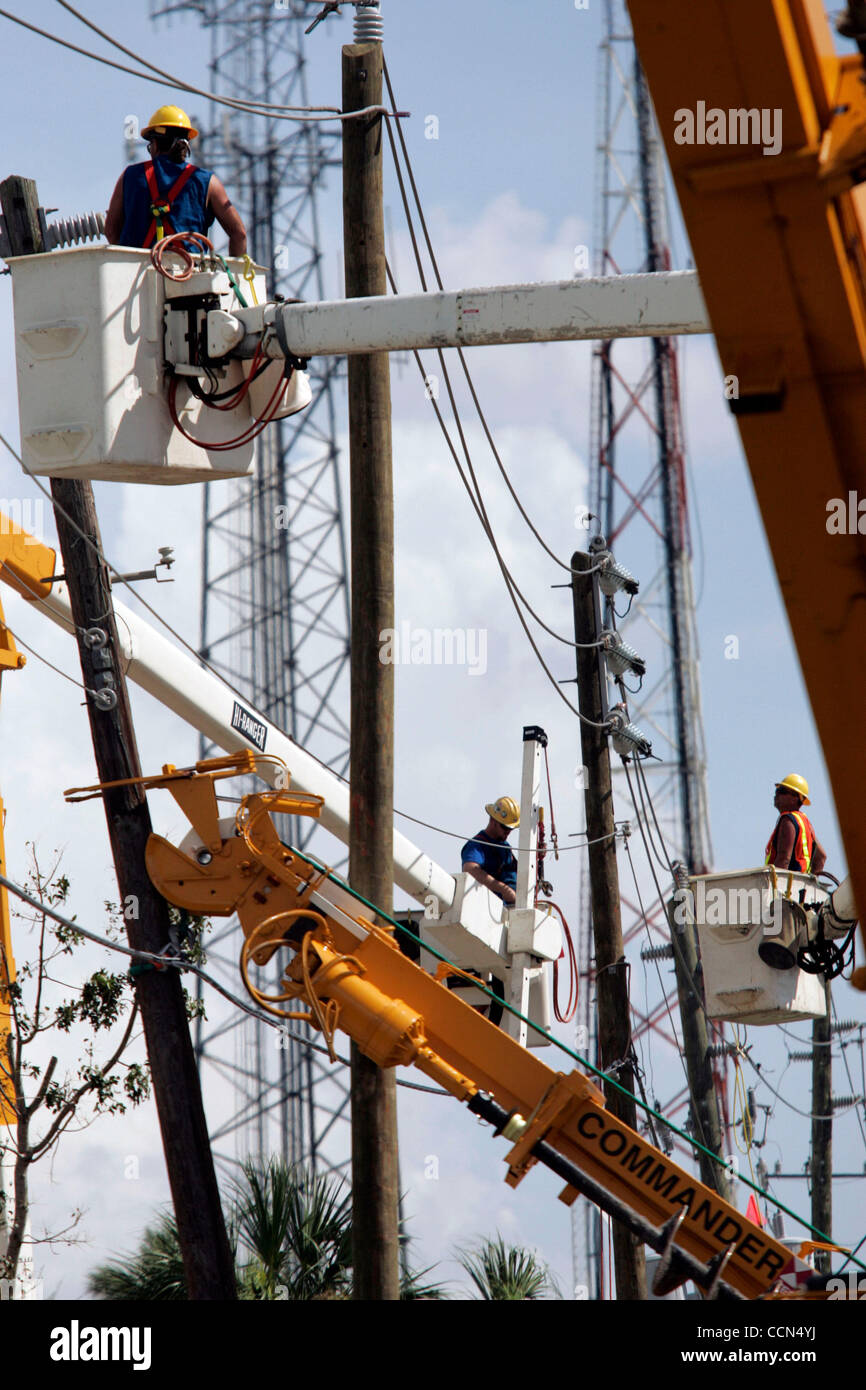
618, 306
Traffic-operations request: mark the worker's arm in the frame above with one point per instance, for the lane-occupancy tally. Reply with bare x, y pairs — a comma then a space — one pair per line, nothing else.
819, 858
488, 881
114, 216
228, 217
785, 843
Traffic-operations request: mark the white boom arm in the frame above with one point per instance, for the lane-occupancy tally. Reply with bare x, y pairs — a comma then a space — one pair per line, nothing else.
660, 303
465, 921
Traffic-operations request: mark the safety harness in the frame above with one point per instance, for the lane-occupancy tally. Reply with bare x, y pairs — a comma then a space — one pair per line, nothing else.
801, 860
160, 204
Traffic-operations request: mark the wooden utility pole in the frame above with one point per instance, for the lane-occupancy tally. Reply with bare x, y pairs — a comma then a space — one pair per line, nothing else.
611, 977
821, 1162
207, 1257
375, 1175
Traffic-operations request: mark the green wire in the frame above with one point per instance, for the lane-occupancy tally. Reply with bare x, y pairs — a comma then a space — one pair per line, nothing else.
575, 1056
232, 281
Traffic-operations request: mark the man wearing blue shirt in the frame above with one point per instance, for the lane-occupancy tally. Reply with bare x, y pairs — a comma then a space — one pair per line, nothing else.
167, 193
487, 857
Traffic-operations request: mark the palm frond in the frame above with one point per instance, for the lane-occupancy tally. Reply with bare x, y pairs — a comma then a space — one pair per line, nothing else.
154, 1273
505, 1272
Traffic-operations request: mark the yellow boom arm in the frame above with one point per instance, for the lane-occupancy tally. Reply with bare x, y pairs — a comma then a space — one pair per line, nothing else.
765, 131
347, 973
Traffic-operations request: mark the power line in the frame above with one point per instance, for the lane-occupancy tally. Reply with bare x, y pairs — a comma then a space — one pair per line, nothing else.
120, 579
44, 659
182, 964
480, 511
454, 835
265, 106
680, 1053
439, 283
476, 497
167, 625
276, 113
849, 1076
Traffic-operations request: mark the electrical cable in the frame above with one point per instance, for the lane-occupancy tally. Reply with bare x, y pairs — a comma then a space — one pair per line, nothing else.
277, 113
456, 834
481, 510
677, 1043
554, 838
638, 1073
120, 579
644, 819
37, 599
855, 1108
851, 1253
741, 1095
477, 498
804, 1041
570, 1009
251, 432
181, 963
231, 399
806, 1114
265, 106
176, 243
60, 672
440, 285
509, 582
641, 776
681, 958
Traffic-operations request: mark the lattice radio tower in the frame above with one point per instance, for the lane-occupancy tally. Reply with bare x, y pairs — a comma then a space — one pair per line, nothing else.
275, 606
638, 493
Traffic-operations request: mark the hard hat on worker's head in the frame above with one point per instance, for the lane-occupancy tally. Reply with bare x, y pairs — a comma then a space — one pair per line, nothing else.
167, 118
795, 783
505, 810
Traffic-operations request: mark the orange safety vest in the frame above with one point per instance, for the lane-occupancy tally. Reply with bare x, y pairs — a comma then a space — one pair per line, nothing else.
804, 844
160, 204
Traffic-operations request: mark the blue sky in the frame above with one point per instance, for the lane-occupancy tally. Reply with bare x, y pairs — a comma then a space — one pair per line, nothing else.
509, 189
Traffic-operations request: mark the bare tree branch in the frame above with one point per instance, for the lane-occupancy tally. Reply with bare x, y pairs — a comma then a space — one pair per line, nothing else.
75, 1099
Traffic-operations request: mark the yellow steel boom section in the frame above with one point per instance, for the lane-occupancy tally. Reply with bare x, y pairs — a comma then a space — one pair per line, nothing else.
765, 130
345, 972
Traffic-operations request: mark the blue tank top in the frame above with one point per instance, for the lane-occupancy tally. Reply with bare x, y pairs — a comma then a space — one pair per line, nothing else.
495, 857
189, 211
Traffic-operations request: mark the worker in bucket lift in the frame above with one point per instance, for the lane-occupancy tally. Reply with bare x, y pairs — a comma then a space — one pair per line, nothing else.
487, 857
793, 843
167, 193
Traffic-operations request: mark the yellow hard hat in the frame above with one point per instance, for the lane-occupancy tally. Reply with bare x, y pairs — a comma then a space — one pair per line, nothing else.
169, 117
506, 811
795, 783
